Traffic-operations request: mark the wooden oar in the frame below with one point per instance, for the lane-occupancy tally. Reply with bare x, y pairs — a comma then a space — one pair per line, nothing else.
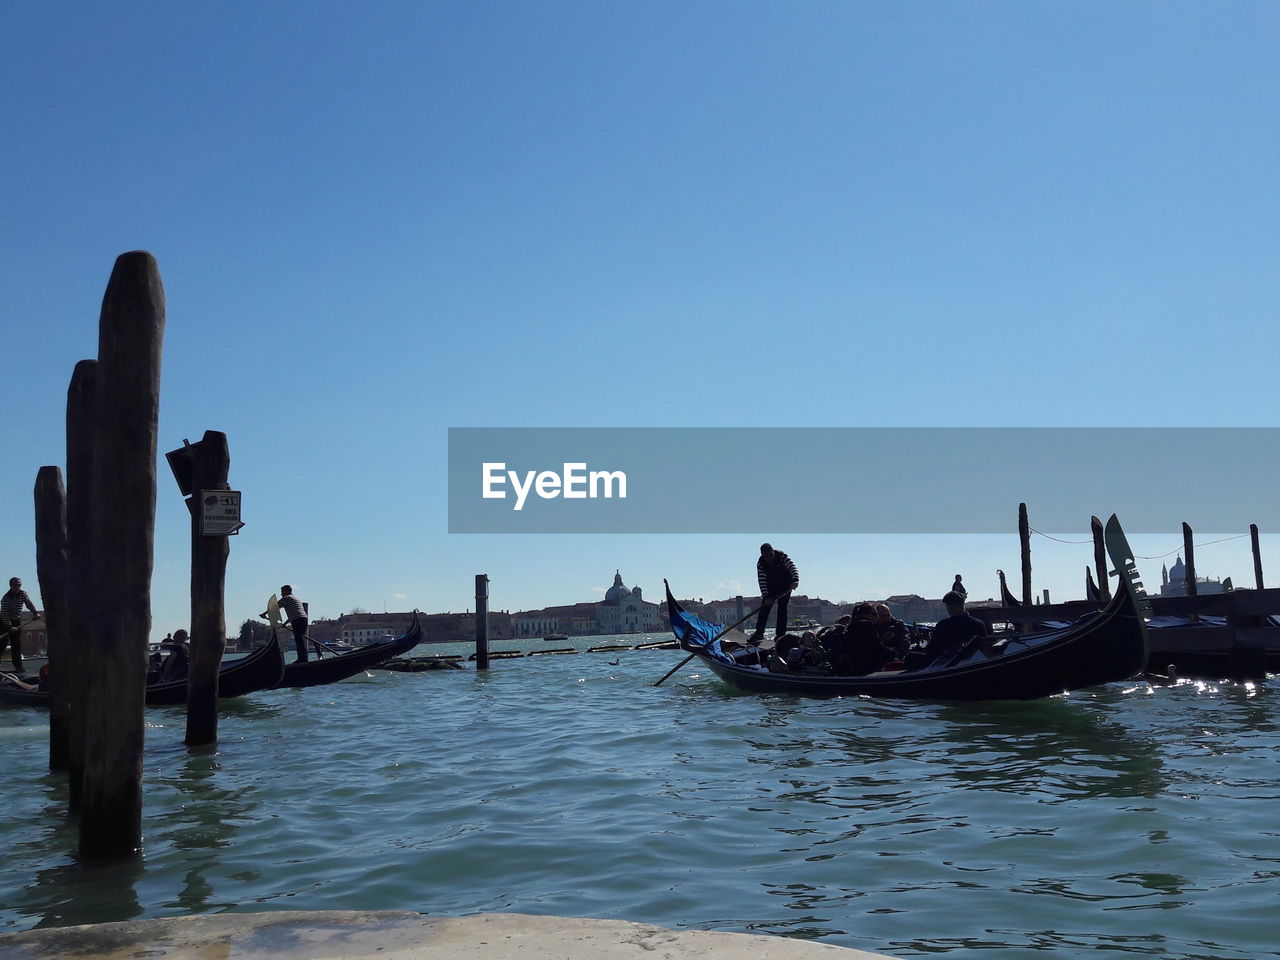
717, 637
318, 643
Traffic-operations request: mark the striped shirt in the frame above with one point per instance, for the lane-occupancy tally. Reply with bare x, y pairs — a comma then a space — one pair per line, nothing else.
777, 577
12, 602
293, 608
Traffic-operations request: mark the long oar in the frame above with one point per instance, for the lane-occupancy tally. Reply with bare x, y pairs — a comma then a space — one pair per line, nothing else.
318, 643
717, 637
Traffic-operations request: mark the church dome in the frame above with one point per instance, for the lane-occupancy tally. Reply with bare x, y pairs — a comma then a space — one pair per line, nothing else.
618, 591
1178, 572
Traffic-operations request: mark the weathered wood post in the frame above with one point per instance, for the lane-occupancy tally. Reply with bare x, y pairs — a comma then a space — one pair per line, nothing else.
130, 336
1257, 555
1100, 560
1024, 538
82, 396
210, 465
482, 621
1190, 553
51, 571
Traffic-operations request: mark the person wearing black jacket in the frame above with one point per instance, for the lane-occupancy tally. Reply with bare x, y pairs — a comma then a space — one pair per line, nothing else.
778, 577
952, 634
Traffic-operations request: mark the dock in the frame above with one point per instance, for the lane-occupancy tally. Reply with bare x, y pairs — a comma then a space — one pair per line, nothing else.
402, 935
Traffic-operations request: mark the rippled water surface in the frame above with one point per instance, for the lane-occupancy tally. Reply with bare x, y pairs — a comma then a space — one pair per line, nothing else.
1125, 821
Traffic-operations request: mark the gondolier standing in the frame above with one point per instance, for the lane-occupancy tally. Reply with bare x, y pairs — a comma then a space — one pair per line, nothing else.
11, 605
295, 611
778, 577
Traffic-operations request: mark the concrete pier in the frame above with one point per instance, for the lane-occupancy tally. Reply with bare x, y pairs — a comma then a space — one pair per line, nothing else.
401, 935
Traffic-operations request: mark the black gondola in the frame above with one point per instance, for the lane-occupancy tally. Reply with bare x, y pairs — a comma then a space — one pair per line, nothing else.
314, 673
1109, 646
260, 670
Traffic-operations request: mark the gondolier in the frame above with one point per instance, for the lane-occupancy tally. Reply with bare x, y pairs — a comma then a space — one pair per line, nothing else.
778, 577
295, 611
11, 605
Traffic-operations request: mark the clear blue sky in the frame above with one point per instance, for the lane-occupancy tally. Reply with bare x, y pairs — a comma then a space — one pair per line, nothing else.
375, 223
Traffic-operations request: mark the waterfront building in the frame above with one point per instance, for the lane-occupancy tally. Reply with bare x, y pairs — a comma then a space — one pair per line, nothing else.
360, 629
623, 610
1173, 581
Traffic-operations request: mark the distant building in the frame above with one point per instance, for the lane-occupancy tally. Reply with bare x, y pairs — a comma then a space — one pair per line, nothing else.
35, 639
361, 629
626, 611
1173, 582
623, 610
913, 608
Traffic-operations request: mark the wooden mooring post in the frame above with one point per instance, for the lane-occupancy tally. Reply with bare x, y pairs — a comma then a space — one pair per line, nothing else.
1024, 539
123, 503
1189, 553
211, 462
1257, 555
1100, 560
51, 571
482, 621
82, 396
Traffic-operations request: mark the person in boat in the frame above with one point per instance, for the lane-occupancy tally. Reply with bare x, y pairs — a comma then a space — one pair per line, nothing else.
894, 635
778, 577
295, 612
958, 587
178, 661
950, 634
11, 605
858, 649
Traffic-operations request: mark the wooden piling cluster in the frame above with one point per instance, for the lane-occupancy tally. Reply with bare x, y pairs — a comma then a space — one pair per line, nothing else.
121, 545
94, 555
1246, 647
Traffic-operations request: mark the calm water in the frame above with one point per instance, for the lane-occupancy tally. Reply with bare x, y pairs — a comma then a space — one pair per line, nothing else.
1126, 821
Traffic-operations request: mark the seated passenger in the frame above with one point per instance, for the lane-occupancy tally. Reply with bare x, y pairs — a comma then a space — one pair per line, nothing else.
894, 635
949, 635
858, 650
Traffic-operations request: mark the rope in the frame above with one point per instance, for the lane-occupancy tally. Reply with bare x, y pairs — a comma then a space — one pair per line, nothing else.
1159, 556
1194, 546
1055, 539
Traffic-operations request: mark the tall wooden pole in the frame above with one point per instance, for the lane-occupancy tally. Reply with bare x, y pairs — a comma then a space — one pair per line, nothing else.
81, 408
1100, 560
1024, 538
482, 621
1190, 552
1257, 555
51, 570
130, 337
210, 465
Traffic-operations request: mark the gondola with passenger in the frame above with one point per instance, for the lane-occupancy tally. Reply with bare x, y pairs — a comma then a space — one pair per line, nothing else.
322, 670
1107, 647
259, 670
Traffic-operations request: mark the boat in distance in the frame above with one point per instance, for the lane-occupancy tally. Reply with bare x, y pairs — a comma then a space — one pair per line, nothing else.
1108, 646
314, 673
260, 670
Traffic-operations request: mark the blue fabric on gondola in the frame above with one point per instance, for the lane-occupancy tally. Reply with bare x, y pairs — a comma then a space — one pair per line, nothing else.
691, 631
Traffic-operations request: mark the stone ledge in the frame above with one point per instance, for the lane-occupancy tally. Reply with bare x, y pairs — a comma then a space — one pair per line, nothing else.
401, 935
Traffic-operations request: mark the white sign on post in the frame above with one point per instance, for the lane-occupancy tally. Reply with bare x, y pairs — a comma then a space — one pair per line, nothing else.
220, 513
